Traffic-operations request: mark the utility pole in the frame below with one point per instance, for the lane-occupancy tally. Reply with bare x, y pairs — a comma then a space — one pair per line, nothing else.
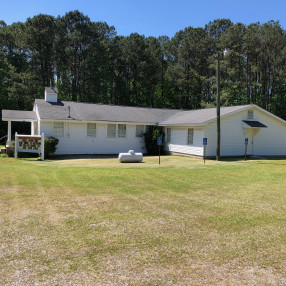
218, 58
218, 106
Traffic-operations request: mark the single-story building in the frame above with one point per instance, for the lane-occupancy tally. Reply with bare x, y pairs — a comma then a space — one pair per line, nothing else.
87, 128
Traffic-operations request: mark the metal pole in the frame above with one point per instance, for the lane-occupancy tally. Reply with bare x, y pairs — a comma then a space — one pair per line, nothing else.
204, 154
159, 154
218, 107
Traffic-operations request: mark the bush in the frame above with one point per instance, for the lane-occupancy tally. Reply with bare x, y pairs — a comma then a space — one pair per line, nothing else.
11, 150
50, 146
151, 140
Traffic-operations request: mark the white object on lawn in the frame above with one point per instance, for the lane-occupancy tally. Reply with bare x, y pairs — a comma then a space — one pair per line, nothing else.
131, 156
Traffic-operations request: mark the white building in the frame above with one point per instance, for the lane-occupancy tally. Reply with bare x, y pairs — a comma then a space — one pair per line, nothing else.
85, 128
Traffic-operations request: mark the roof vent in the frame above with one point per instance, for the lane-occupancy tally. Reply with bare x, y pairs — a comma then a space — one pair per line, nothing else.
51, 94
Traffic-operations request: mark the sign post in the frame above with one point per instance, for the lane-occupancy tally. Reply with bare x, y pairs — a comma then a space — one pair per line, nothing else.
205, 143
159, 143
245, 151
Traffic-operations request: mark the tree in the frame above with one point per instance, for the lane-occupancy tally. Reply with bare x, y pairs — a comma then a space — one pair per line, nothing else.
39, 37
188, 69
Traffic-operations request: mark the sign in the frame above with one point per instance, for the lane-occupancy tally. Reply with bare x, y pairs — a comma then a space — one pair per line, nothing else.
246, 141
159, 141
205, 141
29, 143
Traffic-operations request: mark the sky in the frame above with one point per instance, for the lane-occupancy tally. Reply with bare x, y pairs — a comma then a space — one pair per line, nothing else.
150, 17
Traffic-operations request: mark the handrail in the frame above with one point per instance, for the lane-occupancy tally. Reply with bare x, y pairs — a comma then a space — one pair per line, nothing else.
3, 137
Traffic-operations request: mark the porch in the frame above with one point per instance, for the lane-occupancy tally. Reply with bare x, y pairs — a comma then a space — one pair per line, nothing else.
19, 116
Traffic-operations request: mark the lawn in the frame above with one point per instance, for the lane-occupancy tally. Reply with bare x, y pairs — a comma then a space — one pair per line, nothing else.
95, 221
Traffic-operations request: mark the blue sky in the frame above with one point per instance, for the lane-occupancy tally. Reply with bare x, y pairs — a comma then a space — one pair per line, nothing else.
150, 17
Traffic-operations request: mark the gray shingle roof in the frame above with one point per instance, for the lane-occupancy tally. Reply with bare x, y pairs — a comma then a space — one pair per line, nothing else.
199, 116
19, 115
101, 112
114, 113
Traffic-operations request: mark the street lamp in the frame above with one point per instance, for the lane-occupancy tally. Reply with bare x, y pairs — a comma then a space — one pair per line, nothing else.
218, 58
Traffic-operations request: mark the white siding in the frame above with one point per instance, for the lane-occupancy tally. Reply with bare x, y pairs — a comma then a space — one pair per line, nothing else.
179, 137
270, 140
232, 138
262, 141
76, 141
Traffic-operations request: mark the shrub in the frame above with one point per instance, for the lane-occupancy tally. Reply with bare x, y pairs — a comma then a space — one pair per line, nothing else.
50, 146
151, 140
11, 150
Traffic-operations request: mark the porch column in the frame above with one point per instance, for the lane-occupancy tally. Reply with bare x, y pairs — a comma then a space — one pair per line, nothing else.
32, 128
9, 133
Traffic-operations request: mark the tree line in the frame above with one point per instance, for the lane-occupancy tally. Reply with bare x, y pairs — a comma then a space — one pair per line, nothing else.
87, 61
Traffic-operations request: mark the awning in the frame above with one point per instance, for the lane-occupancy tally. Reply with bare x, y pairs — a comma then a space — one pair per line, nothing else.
19, 115
254, 124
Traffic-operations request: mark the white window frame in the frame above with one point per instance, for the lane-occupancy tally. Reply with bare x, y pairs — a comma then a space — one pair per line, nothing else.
111, 130
169, 135
121, 132
139, 130
59, 128
190, 136
91, 129
250, 114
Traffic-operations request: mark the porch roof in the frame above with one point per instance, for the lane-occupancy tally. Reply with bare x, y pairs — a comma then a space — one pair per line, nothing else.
19, 115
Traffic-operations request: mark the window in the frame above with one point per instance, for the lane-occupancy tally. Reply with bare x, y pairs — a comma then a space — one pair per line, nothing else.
111, 130
168, 135
91, 129
190, 139
58, 129
139, 130
121, 130
250, 114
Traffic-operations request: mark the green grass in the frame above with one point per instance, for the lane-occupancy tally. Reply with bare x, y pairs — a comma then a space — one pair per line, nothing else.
95, 221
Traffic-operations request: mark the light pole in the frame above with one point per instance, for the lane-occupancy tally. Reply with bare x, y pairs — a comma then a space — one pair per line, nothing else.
218, 58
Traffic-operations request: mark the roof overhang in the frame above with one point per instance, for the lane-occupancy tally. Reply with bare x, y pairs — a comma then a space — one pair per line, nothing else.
19, 115
183, 124
71, 120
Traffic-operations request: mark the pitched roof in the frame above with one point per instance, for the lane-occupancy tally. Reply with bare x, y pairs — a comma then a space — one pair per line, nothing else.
18, 115
101, 112
115, 113
68, 110
199, 116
